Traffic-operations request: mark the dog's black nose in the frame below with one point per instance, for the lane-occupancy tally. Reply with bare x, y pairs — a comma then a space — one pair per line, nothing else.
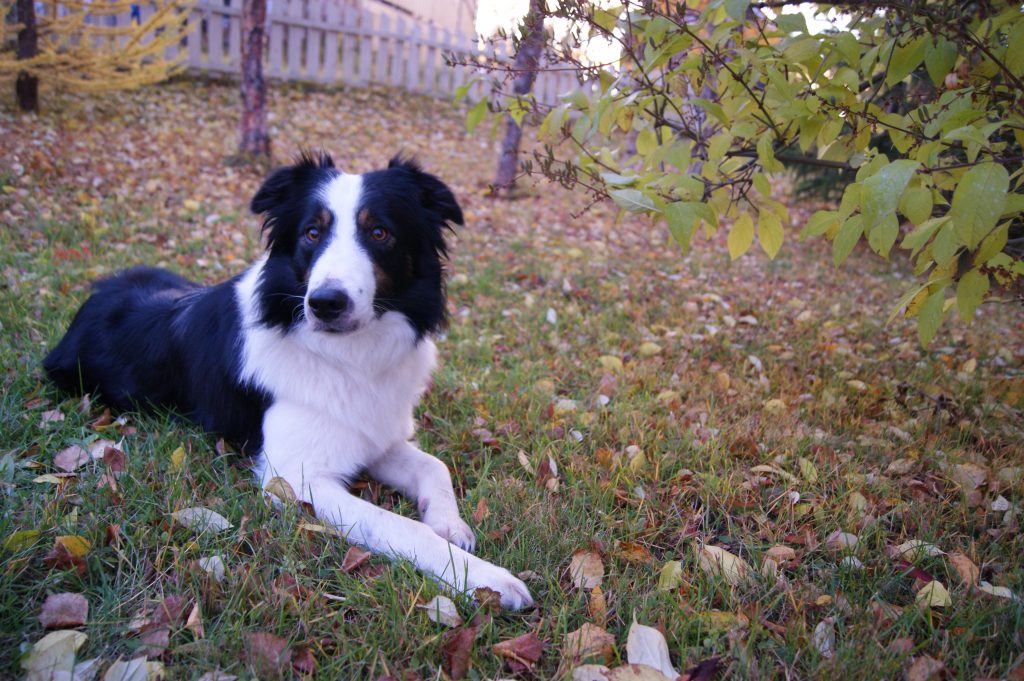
328, 303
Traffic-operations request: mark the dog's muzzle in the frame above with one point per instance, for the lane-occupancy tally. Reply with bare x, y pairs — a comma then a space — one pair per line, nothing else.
332, 309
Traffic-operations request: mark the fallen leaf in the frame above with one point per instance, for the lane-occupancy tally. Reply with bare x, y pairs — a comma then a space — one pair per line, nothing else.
303, 660
610, 363
597, 606
137, 669
586, 569
354, 557
280, 488
705, 670
53, 656
965, 568
775, 407
199, 519
933, 595
64, 610
50, 416
61, 558
839, 542
969, 476
213, 566
217, 675
591, 672
648, 349
194, 622
521, 652
587, 642
457, 650
671, 575
781, 553
71, 458
113, 458
915, 548
178, 460
716, 561
925, 668
637, 672
825, 637
75, 544
646, 646
998, 591
442, 610
268, 654
22, 539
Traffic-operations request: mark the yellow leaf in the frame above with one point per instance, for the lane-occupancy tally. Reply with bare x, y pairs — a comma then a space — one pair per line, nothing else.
933, 595
280, 488
649, 349
22, 539
177, 459
965, 568
807, 470
75, 544
775, 406
610, 363
740, 236
586, 569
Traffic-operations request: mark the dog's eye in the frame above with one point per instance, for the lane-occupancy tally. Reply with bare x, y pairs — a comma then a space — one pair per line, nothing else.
378, 233
313, 234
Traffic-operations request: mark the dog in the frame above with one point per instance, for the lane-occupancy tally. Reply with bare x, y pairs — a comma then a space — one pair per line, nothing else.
312, 360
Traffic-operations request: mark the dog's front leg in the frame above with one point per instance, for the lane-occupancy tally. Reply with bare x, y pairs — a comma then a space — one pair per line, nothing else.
395, 536
425, 479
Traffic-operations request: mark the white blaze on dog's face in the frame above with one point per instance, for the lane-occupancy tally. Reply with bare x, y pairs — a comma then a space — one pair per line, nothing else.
341, 285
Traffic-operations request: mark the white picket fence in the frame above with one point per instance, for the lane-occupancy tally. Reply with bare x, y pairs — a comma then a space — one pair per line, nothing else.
324, 41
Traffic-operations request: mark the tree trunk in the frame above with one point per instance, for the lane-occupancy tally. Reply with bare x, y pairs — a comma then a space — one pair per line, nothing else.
254, 139
27, 85
527, 60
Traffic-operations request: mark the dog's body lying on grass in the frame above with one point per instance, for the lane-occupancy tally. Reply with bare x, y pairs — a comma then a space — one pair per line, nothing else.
312, 360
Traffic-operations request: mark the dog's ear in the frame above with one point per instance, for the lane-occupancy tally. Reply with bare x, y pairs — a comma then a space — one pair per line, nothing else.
434, 194
277, 189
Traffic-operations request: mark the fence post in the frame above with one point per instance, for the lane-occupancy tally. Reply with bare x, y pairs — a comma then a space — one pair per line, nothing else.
235, 37
412, 60
384, 45
363, 23
295, 33
275, 12
314, 39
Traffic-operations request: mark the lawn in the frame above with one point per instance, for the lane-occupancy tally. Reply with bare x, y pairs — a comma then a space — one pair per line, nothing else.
602, 401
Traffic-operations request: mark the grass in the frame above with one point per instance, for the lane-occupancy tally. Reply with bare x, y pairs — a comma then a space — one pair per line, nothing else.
865, 437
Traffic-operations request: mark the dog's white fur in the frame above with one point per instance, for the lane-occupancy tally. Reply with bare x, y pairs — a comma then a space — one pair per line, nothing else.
343, 404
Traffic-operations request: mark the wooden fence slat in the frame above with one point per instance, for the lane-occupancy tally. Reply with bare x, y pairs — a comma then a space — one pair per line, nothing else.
365, 21
195, 39
276, 11
413, 60
235, 38
383, 49
397, 53
215, 39
333, 22
429, 61
314, 39
295, 35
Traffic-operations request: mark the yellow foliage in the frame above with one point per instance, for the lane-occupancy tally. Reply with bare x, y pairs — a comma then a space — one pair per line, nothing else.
78, 48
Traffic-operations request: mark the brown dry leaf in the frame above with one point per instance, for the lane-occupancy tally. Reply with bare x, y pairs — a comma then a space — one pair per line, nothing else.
646, 646
915, 548
303, 660
589, 641
825, 637
591, 672
705, 670
597, 605
281, 489
50, 416
521, 652
217, 675
969, 476
113, 458
194, 622
586, 569
716, 561
268, 654
64, 610
635, 553
965, 568
481, 512
925, 668
457, 650
354, 558
781, 554
71, 458
75, 544
61, 558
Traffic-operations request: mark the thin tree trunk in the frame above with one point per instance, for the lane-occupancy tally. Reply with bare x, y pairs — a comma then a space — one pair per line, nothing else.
254, 139
527, 60
27, 85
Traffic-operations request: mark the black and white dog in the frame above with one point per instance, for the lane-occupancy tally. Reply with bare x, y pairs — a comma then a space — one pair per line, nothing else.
312, 360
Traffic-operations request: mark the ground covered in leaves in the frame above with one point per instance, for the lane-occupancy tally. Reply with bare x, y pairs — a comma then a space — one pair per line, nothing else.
719, 470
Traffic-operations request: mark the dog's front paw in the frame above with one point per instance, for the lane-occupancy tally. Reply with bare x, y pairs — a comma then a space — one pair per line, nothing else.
514, 593
453, 528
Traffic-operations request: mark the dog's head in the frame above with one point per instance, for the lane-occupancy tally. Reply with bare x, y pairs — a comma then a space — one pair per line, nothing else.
344, 249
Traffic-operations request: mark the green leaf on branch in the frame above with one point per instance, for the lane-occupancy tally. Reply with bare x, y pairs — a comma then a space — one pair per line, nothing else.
929, 318
633, 200
770, 233
883, 235
820, 223
476, 115
970, 292
906, 58
939, 59
880, 193
978, 202
946, 244
916, 204
847, 238
682, 222
741, 236
737, 9
922, 233
993, 244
